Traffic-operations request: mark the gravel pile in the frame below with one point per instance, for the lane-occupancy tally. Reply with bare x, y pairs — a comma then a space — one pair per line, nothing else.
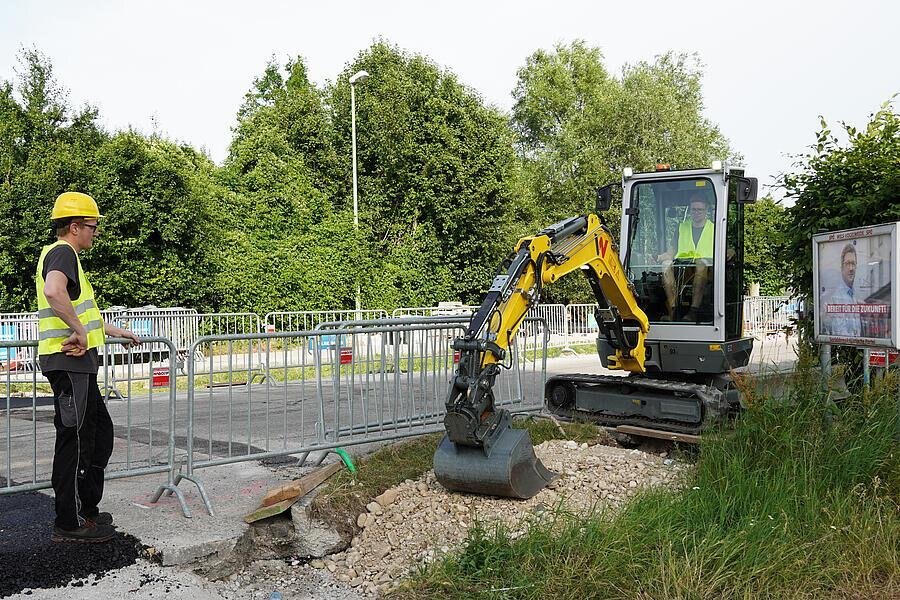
293, 578
418, 521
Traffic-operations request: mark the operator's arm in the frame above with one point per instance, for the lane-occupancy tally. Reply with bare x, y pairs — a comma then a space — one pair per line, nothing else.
670, 253
58, 297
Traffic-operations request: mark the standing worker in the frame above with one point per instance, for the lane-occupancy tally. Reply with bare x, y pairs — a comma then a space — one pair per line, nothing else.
71, 330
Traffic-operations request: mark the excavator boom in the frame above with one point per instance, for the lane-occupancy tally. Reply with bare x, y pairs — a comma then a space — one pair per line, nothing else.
480, 452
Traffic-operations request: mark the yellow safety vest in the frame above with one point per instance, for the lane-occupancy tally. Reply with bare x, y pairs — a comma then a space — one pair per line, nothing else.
686, 247
53, 331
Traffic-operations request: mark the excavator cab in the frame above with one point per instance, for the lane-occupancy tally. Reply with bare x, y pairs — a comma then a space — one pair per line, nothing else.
683, 251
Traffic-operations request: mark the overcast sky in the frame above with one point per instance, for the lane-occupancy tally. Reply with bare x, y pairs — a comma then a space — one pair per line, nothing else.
770, 67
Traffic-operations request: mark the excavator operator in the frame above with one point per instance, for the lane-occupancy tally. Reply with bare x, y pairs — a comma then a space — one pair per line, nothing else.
693, 245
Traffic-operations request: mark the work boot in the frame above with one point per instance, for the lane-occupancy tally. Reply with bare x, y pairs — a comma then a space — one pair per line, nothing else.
91, 533
103, 518
691, 315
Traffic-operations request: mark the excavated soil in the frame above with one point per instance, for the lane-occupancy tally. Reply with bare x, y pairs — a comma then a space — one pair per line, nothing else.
419, 521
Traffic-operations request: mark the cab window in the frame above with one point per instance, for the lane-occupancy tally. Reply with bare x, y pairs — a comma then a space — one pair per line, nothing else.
672, 254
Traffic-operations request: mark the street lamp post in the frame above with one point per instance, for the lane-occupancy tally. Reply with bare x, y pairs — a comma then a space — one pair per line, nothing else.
358, 77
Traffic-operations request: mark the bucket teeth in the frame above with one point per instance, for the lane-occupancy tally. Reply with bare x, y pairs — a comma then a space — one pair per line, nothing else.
509, 469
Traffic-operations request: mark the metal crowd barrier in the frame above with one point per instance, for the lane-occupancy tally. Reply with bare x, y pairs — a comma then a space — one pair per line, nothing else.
765, 315
184, 327
580, 324
293, 351
450, 309
14, 327
552, 317
532, 334
144, 424
353, 382
307, 320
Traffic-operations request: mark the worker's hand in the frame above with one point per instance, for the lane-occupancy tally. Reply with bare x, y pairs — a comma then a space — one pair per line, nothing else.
729, 254
130, 337
664, 257
133, 340
75, 344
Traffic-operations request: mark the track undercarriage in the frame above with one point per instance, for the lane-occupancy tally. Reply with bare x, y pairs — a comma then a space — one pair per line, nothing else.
686, 406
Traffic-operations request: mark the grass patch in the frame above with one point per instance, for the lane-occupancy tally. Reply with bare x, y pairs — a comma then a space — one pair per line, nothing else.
800, 500
576, 348
345, 495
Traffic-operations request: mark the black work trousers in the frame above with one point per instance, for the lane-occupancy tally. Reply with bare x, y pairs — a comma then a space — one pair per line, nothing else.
84, 443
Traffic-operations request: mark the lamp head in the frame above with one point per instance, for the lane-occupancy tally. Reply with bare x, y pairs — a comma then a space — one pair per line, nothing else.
358, 77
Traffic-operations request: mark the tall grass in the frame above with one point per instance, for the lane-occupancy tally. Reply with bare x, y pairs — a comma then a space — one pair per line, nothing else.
799, 500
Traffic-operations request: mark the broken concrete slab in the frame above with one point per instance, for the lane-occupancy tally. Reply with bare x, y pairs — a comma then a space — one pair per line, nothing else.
234, 490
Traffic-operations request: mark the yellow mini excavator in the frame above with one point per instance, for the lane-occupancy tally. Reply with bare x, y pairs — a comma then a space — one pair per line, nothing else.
669, 312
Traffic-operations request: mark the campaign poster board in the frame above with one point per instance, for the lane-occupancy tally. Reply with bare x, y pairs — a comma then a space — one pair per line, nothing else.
853, 275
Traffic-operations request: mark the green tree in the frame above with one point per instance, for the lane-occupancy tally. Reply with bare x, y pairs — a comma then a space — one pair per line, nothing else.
842, 186
155, 195
434, 170
765, 222
45, 148
577, 126
285, 247
157, 236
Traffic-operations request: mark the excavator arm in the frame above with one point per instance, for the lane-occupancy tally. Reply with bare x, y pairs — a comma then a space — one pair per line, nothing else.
472, 422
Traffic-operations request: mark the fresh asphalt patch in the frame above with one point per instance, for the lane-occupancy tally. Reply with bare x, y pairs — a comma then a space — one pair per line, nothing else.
29, 560
16, 402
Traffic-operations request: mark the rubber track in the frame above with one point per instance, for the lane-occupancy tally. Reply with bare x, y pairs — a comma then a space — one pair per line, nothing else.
703, 393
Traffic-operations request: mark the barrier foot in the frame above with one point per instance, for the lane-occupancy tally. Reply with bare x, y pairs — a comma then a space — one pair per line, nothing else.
302, 459
263, 378
321, 457
567, 349
200, 488
111, 392
169, 490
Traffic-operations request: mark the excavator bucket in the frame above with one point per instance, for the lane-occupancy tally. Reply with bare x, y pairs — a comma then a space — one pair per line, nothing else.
507, 468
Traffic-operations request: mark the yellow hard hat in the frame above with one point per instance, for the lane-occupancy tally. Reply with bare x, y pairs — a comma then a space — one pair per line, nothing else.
74, 204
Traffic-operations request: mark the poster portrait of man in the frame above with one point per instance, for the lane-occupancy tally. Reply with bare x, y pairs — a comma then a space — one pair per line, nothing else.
853, 274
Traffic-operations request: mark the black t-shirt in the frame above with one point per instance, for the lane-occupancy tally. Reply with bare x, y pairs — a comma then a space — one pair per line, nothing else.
697, 231
63, 259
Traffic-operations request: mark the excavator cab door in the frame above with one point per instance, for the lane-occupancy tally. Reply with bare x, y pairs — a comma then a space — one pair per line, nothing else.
674, 229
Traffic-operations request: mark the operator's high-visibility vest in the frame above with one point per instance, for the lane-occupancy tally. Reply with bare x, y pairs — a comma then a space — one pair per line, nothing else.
686, 247
53, 331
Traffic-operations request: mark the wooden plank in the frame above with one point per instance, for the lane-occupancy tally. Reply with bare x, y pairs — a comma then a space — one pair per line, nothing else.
301, 486
265, 512
686, 438
280, 499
